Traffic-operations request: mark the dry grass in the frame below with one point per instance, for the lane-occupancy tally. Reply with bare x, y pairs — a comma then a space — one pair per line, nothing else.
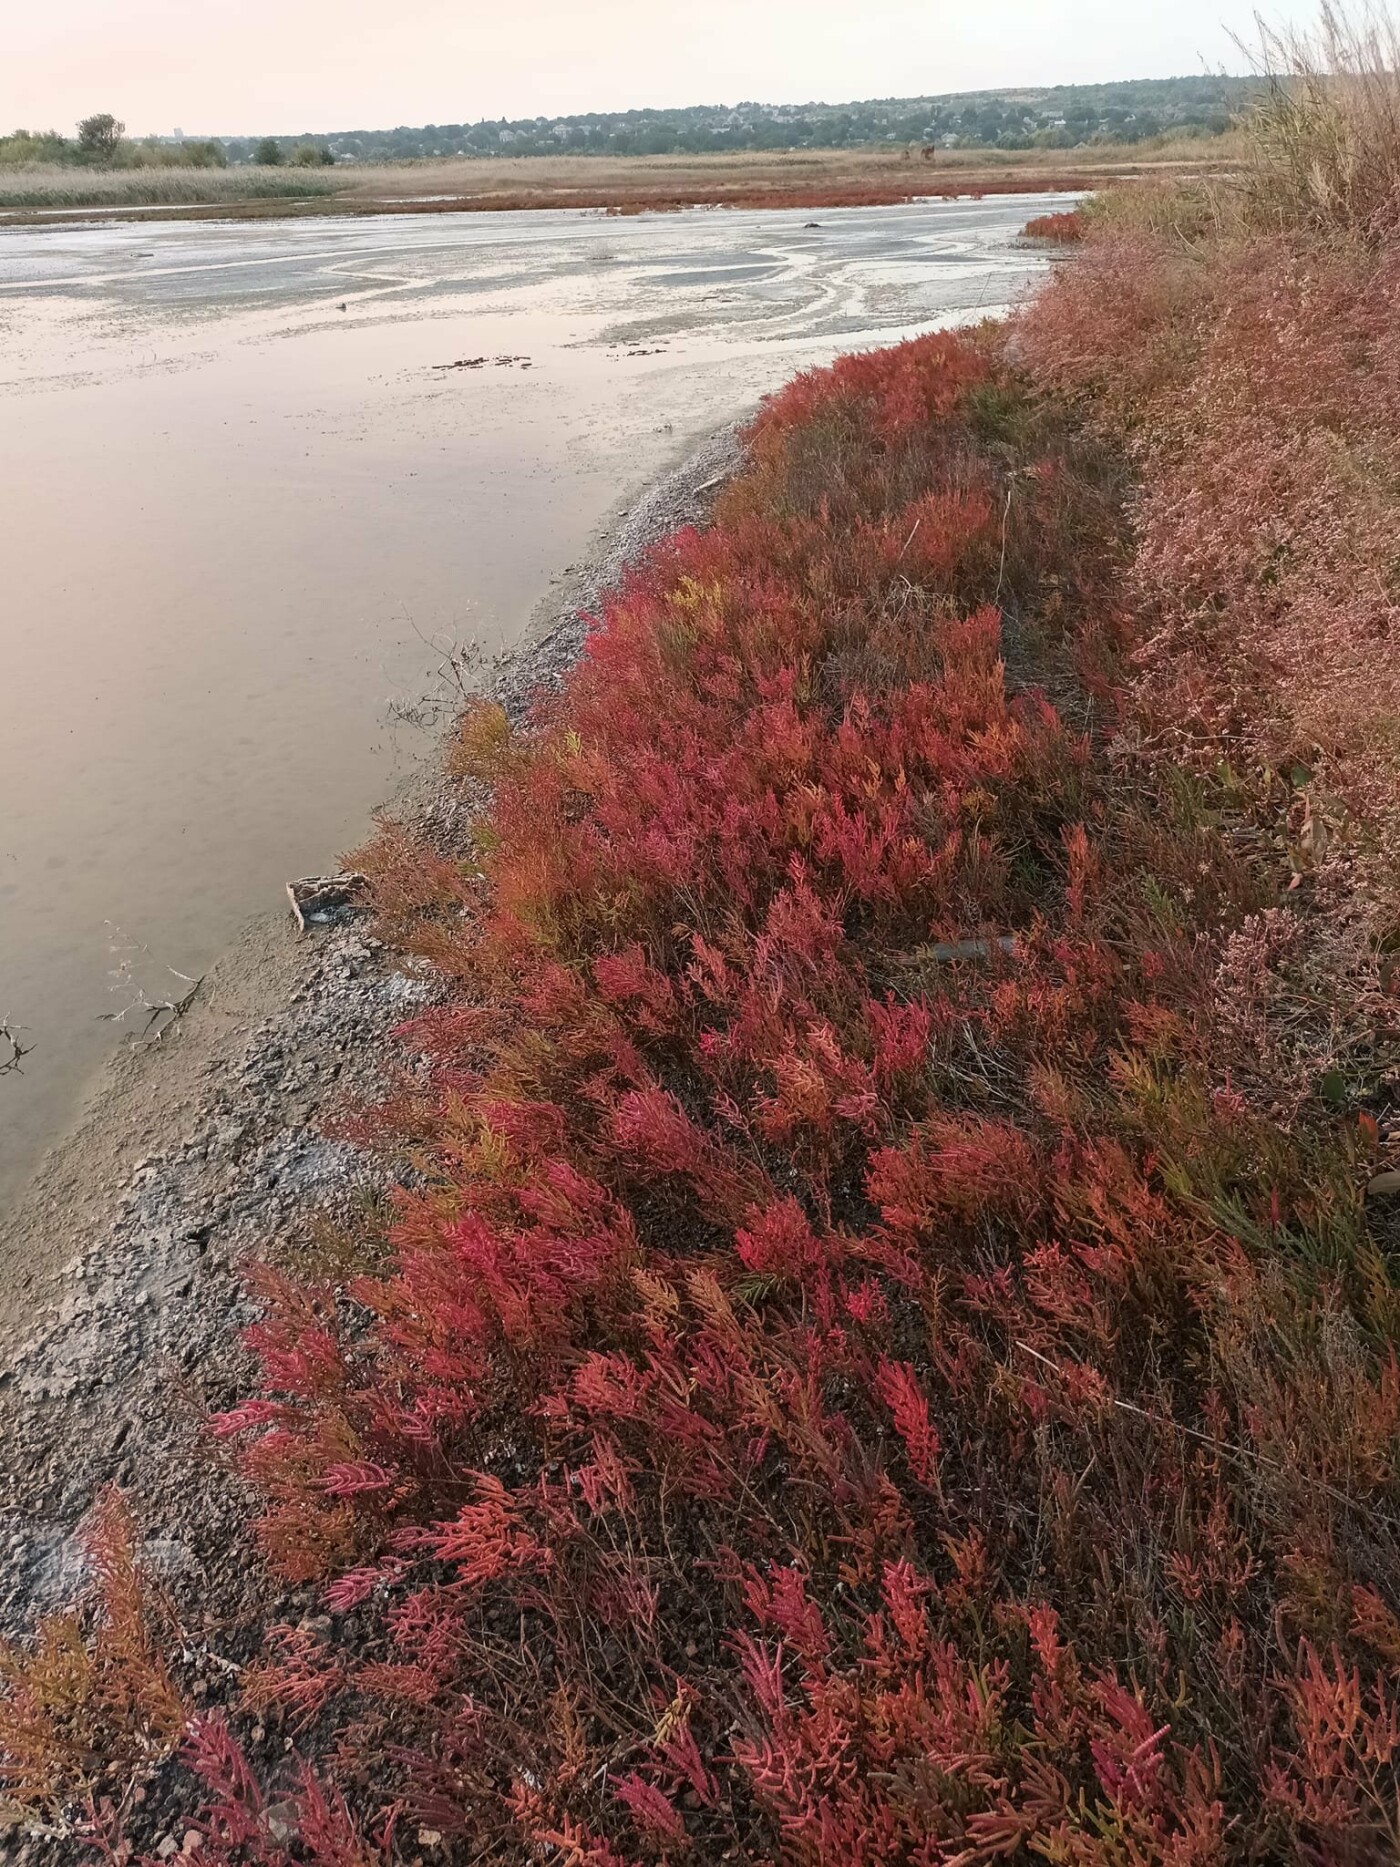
53, 186
1320, 155
1240, 337
744, 170
88, 1698
809, 178
1327, 138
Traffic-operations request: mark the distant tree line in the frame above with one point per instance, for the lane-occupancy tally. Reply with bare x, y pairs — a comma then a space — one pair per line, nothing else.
1065, 117
102, 142
1062, 118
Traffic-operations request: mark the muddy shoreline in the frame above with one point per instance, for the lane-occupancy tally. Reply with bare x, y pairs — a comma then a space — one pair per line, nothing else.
193, 1157
581, 201
303, 393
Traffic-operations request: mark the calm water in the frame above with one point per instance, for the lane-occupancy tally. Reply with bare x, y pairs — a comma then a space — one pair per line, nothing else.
244, 511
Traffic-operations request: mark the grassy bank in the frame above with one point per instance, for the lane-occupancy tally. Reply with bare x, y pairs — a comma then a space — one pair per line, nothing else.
816, 178
48, 188
885, 1345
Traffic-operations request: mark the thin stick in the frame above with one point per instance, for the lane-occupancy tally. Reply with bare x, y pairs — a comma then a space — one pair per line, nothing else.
1243, 1453
17, 1052
909, 540
1001, 569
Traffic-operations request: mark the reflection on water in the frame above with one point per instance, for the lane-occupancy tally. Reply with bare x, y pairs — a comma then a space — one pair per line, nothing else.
243, 510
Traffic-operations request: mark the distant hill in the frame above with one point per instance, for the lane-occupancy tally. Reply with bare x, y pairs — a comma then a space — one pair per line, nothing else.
1063, 117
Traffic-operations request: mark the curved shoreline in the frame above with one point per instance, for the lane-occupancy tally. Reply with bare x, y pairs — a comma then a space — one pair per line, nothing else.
331, 207
121, 1332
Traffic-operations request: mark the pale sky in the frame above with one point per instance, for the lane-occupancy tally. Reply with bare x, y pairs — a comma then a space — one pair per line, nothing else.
217, 67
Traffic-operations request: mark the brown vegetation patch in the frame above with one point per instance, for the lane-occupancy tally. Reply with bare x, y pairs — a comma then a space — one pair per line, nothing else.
618, 184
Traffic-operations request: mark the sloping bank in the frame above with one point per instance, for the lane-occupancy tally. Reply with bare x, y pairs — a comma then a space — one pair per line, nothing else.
877, 1349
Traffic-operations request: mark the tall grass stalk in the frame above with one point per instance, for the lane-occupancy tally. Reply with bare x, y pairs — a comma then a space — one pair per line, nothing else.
1326, 136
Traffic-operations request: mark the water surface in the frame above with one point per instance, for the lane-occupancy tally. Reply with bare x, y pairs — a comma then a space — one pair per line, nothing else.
244, 510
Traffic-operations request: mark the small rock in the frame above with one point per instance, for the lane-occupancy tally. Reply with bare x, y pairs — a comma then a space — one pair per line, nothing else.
280, 1819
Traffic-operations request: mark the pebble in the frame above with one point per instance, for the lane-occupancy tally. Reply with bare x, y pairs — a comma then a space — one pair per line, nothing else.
280, 1821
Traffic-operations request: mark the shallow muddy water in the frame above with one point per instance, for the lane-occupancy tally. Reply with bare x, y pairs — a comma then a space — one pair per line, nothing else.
245, 511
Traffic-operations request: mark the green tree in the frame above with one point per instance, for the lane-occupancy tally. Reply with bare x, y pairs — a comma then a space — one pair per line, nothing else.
42, 146
268, 153
100, 137
309, 155
204, 154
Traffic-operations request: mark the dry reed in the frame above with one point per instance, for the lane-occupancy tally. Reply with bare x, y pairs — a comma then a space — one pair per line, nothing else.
1326, 138
50, 187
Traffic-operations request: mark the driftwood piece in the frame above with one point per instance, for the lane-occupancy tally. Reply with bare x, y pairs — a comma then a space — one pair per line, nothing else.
161, 1014
322, 898
12, 1051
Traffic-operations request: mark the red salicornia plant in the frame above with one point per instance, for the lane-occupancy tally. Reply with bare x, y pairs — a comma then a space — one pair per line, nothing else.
853, 1378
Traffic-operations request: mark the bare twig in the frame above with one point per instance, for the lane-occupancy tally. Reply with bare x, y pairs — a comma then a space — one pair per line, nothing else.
12, 1051
161, 1014
455, 662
